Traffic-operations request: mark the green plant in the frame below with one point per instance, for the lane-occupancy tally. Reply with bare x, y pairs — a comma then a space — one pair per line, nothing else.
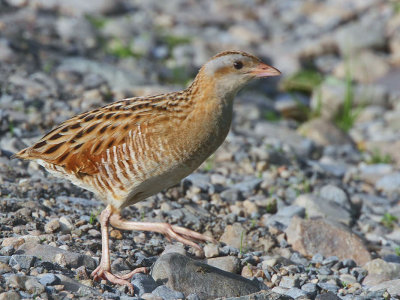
388, 220
344, 284
271, 116
172, 40
397, 251
93, 216
11, 127
97, 22
208, 165
241, 242
378, 158
347, 115
117, 48
271, 206
302, 81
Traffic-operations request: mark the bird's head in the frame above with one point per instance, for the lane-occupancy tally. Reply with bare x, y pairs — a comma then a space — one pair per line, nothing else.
229, 71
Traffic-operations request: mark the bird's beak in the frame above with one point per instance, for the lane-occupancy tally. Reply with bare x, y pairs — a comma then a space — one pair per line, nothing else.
264, 70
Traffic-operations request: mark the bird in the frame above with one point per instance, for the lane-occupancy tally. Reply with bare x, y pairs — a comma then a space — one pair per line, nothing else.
131, 149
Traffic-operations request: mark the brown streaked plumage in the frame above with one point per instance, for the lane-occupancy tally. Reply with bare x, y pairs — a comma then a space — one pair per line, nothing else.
129, 150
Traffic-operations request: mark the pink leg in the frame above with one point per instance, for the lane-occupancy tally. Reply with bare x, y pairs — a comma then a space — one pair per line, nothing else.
183, 235
103, 271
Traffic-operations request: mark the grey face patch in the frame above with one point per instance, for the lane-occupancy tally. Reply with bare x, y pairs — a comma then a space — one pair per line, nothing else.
214, 65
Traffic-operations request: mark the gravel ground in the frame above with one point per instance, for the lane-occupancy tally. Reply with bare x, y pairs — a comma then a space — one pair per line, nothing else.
303, 197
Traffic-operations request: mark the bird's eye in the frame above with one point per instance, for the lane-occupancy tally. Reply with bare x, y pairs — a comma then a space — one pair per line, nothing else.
238, 65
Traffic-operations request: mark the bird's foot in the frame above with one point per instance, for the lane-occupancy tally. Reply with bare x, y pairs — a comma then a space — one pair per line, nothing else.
100, 273
185, 236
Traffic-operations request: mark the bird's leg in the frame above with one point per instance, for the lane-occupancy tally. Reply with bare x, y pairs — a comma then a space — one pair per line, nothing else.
183, 235
103, 271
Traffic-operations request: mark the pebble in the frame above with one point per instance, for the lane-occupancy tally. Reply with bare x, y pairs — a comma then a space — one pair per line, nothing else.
143, 283
281, 168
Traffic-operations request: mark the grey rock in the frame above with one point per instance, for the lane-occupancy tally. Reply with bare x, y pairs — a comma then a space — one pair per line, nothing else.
193, 297
326, 237
289, 282
4, 268
296, 293
263, 295
234, 235
201, 181
5, 259
56, 255
349, 263
10, 295
327, 296
33, 286
49, 279
181, 273
231, 195
226, 263
336, 195
247, 187
389, 183
167, 294
330, 261
324, 132
74, 286
17, 281
379, 271
393, 258
328, 287
372, 173
24, 261
143, 283
291, 210
392, 286
310, 288
317, 258
120, 79
351, 38
318, 207
298, 259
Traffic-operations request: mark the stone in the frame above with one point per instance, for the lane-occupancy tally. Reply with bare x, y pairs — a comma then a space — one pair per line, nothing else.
167, 294
53, 254
52, 226
76, 287
328, 287
324, 132
351, 37
66, 225
326, 237
296, 293
10, 295
310, 289
318, 207
49, 279
24, 261
327, 296
189, 276
211, 250
389, 183
234, 235
372, 173
4, 268
174, 248
380, 270
291, 211
263, 295
226, 263
143, 283
33, 286
392, 286
17, 281
289, 282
